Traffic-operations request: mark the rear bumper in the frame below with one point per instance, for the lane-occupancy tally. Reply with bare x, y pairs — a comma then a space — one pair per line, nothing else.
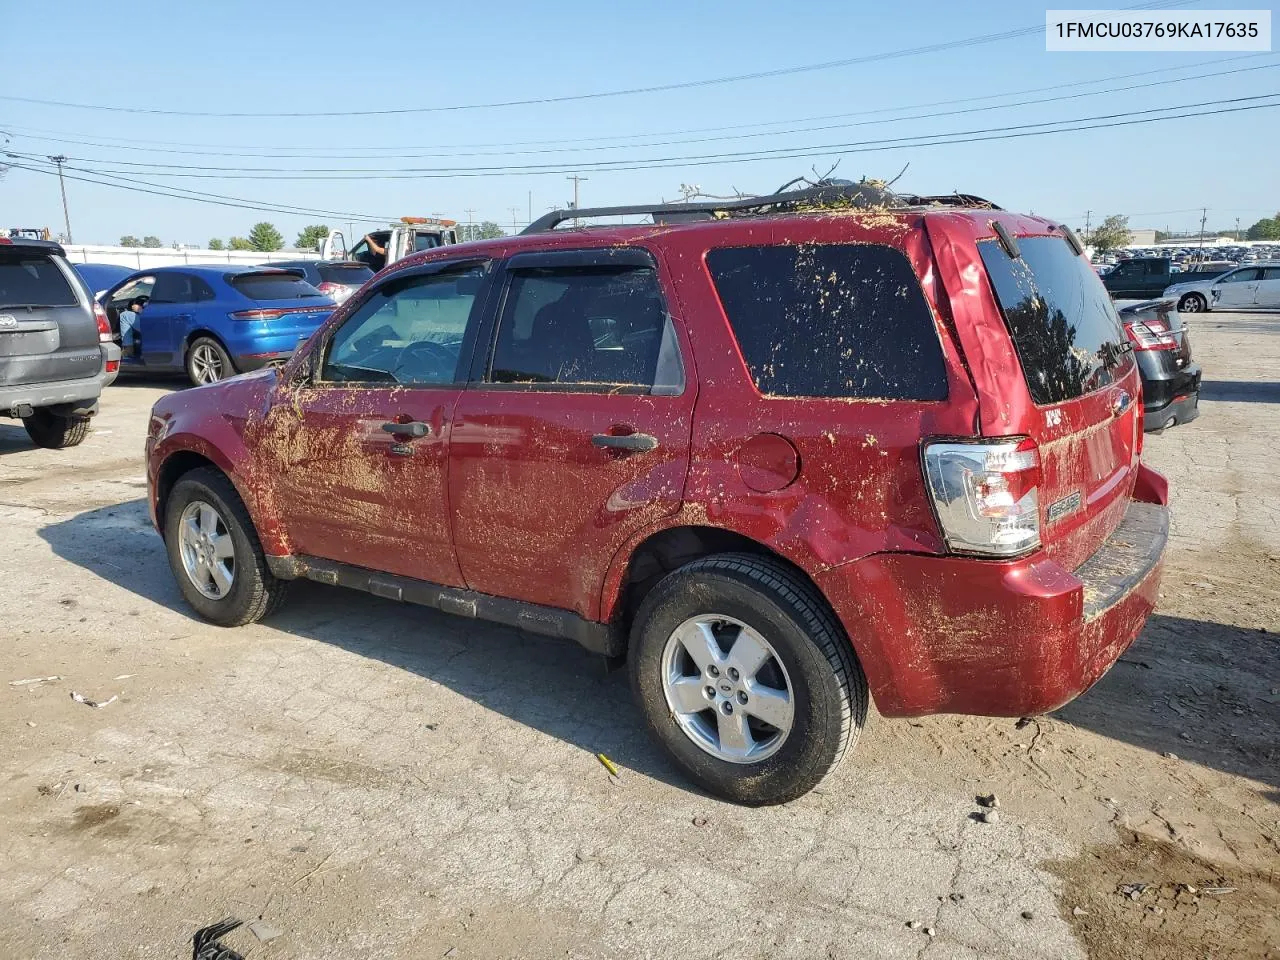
1020, 638
256, 361
1168, 392
52, 393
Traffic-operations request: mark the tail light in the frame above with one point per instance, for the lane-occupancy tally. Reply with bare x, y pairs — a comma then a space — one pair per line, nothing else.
104, 325
1150, 335
987, 495
337, 292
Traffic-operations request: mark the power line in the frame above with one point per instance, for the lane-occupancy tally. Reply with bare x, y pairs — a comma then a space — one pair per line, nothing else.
705, 139
597, 95
382, 173
160, 190
380, 151
181, 193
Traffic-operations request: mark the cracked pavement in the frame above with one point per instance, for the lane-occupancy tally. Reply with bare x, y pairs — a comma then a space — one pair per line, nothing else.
379, 780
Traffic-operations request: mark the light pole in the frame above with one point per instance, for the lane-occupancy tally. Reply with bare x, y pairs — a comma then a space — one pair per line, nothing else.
66, 216
576, 207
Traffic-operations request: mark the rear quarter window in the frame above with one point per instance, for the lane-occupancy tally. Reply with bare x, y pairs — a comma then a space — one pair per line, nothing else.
837, 320
35, 281
1062, 321
273, 286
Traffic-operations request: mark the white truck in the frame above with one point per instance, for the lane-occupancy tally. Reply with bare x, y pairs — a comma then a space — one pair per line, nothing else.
381, 247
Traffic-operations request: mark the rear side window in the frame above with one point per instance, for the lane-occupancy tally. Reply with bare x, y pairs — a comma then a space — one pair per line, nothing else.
839, 320
1063, 324
273, 286
33, 281
587, 327
352, 274
174, 288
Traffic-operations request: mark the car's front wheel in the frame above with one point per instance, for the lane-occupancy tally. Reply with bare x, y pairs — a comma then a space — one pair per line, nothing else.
215, 554
208, 362
746, 678
54, 430
1192, 303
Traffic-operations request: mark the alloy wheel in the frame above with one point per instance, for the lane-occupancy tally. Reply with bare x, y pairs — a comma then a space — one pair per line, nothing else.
206, 364
727, 689
208, 552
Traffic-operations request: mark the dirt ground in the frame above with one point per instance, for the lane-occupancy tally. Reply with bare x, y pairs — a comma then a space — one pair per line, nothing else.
375, 780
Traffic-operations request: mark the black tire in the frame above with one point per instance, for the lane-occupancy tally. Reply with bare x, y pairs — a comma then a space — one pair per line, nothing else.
1192, 303
255, 592
200, 372
829, 690
55, 431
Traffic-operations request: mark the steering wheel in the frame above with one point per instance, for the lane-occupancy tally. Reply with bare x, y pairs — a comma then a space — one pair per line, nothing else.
439, 360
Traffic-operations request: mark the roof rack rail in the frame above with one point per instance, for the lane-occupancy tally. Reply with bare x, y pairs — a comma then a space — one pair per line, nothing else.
854, 195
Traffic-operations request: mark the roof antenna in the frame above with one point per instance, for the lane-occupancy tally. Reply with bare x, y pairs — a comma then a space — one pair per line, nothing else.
899, 176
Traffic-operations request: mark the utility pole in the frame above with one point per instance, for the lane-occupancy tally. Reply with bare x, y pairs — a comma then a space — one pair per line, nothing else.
531, 206
66, 216
1237, 229
471, 227
1087, 215
1204, 216
576, 180
515, 223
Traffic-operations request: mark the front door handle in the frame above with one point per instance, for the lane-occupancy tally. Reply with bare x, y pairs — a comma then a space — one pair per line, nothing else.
631, 442
413, 428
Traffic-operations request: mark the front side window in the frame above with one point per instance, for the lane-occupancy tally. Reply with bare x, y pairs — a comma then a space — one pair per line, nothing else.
408, 331
587, 327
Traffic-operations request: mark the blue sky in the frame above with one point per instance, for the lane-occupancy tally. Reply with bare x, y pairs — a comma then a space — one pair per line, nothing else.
318, 56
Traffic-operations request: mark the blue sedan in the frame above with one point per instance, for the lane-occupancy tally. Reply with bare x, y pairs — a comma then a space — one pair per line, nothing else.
212, 321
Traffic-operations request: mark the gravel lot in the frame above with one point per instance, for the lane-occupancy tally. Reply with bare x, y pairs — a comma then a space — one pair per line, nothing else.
376, 780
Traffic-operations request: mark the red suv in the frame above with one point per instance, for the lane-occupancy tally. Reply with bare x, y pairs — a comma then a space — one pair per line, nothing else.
780, 453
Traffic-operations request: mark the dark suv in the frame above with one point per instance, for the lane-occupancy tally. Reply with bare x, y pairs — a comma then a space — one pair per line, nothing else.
780, 453
56, 349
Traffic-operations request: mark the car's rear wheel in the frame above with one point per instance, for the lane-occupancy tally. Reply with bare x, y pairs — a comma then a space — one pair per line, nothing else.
54, 430
1192, 303
208, 362
746, 678
215, 554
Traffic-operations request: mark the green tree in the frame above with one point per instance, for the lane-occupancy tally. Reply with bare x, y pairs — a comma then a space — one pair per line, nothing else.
129, 240
265, 237
216, 244
240, 243
1111, 233
309, 238
487, 230
1268, 228
150, 241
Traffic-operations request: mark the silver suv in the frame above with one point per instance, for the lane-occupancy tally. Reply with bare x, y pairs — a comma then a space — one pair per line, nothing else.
56, 350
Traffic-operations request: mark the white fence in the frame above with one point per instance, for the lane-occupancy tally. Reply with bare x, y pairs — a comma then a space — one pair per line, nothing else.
144, 258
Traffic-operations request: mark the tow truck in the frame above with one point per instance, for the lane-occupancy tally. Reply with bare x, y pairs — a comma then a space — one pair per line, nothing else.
401, 238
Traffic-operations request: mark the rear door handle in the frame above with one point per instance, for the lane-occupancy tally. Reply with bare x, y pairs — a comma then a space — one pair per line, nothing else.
631, 442
414, 428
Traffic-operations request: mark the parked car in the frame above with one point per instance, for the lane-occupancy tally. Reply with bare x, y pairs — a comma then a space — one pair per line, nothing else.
336, 279
1257, 285
99, 277
56, 351
744, 447
1162, 345
214, 321
1142, 278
